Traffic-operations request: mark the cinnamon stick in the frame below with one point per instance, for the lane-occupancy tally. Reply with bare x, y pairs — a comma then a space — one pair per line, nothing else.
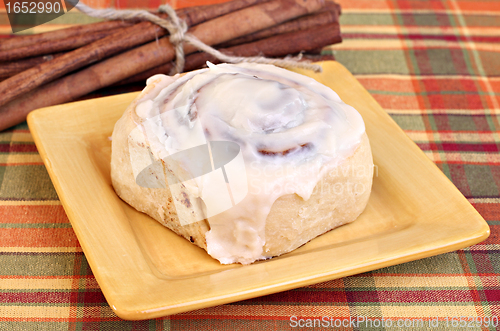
53, 46
117, 42
280, 45
35, 39
8, 69
192, 15
204, 13
275, 46
289, 43
212, 32
45, 72
318, 57
253, 19
142, 58
329, 15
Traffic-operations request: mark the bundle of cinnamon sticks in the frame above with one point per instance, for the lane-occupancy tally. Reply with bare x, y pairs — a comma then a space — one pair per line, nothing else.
61, 66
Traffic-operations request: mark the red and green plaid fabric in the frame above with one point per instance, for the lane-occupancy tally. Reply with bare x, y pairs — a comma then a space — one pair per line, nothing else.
433, 65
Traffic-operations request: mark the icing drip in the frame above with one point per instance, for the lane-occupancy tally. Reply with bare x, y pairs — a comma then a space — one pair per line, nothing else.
290, 129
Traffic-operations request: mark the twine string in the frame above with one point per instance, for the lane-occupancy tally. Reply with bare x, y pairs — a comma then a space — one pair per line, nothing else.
177, 29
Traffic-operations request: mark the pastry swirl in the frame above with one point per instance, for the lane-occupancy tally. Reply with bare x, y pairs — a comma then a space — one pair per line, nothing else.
241, 154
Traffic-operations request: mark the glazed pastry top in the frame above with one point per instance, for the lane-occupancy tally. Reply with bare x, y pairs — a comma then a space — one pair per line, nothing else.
290, 130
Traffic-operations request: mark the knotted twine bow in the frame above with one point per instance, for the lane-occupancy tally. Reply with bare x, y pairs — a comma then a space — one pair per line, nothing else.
178, 35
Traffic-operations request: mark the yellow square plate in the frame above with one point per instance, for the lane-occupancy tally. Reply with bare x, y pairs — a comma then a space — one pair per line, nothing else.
147, 271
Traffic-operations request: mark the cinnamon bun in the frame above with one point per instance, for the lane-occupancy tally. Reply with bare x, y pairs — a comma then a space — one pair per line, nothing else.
246, 161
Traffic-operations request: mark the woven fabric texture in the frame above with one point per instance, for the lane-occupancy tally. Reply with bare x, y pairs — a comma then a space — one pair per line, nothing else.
434, 66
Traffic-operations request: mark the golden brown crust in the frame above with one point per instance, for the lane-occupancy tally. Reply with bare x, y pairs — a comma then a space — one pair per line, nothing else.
154, 202
338, 198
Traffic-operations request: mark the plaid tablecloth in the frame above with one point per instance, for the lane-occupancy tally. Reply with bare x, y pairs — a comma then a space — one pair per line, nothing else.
433, 65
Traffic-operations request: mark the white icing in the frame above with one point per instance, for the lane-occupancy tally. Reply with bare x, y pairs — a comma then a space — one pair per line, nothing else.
290, 128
